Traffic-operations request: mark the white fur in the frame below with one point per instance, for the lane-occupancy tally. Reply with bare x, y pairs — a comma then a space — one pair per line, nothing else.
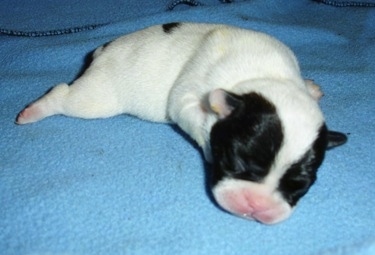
165, 77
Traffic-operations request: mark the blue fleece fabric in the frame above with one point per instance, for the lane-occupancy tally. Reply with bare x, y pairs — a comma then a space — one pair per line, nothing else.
127, 186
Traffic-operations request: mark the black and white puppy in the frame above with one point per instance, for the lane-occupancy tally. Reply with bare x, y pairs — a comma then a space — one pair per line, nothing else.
238, 93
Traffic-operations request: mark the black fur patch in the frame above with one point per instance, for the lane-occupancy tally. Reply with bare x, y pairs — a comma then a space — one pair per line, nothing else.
168, 28
301, 175
245, 144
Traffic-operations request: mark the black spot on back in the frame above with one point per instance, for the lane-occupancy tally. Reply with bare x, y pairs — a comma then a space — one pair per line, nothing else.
168, 28
106, 45
302, 174
245, 144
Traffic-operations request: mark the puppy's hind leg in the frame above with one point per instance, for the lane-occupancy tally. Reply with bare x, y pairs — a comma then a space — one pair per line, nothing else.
85, 98
48, 105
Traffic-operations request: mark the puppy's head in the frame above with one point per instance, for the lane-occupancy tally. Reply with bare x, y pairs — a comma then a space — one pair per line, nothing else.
266, 152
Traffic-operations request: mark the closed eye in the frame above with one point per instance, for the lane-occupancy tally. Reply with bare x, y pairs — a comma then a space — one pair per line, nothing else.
300, 185
248, 170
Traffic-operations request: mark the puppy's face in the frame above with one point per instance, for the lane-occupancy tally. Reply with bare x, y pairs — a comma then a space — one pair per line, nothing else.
253, 176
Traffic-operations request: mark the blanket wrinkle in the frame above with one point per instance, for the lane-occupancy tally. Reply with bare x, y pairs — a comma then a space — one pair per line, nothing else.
346, 3
72, 30
172, 5
51, 32
175, 3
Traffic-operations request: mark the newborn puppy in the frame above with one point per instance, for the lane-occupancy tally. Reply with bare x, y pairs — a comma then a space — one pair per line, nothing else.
238, 93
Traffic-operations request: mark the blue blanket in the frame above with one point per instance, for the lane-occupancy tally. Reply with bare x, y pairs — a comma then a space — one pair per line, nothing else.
127, 186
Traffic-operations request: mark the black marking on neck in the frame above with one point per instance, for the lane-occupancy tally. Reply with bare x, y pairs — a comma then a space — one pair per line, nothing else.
169, 27
245, 143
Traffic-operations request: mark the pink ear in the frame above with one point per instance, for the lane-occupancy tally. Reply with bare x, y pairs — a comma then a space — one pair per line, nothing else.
222, 103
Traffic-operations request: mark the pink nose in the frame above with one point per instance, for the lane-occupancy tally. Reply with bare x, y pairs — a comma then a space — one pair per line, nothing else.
254, 205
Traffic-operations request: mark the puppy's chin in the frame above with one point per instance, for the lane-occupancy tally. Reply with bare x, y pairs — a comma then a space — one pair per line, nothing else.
251, 201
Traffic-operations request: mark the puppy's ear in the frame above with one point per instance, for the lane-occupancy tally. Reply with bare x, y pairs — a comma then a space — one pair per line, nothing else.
335, 139
222, 102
